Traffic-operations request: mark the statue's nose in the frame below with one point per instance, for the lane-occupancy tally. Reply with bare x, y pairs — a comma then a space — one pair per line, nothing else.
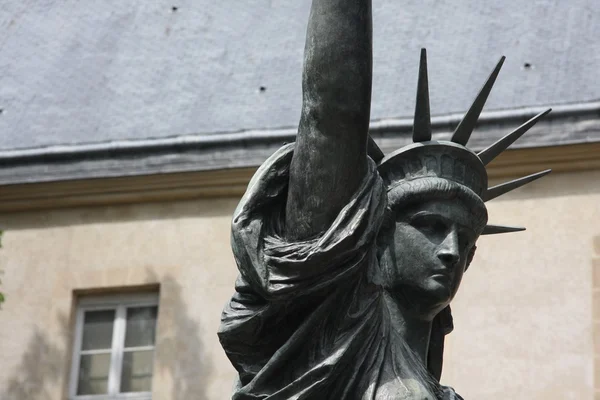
448, 258
448, 252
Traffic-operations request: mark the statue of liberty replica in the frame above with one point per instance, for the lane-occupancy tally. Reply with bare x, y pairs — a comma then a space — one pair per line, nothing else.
349, 259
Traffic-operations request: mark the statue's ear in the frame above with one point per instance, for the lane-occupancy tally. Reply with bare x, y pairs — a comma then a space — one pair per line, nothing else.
470, 256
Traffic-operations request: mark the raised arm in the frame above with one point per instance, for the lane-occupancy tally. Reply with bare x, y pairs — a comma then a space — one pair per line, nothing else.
330, 157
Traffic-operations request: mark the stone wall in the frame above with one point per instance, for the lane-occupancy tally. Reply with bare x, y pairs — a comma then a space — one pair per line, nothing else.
524, 326
50, 257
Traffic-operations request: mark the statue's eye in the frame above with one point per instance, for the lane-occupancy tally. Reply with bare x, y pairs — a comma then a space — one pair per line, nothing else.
466, 238
429, 224
464, 241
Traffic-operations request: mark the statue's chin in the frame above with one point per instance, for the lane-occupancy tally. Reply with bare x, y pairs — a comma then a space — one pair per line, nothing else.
436, 293
428, 297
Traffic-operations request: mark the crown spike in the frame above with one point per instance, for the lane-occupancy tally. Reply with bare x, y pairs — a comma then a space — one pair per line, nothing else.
422, 121
487, 155
501, 189
496, 229
465, 127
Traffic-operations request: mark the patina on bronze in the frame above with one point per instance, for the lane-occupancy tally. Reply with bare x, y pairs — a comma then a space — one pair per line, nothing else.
348, 259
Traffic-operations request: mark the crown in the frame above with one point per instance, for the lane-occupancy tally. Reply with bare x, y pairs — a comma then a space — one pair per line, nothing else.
452, 160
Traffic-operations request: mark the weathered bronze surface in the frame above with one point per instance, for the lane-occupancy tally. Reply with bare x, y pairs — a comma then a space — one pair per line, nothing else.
349, 259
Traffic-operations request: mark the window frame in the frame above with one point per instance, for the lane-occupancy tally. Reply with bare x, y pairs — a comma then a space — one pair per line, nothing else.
119, 303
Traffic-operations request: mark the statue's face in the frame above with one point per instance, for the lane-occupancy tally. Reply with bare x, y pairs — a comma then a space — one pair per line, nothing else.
431, 248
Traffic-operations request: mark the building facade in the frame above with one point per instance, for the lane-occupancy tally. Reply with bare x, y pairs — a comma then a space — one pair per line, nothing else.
130, 131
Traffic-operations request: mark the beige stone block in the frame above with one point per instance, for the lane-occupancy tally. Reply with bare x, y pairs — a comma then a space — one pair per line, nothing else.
115, 277
596, 273
597, 245
596, 336
597, 375
596, 305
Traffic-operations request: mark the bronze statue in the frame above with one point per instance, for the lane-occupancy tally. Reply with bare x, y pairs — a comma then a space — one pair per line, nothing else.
349, 260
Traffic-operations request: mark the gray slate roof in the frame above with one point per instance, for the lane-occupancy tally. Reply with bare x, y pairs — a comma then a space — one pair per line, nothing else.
113, 88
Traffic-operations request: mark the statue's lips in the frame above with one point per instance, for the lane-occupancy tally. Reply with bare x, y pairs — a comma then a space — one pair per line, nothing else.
441, 275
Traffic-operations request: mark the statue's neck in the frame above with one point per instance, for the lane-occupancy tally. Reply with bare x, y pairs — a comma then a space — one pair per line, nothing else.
415, 331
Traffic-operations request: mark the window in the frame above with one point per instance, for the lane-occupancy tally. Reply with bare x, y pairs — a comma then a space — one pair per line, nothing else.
114, 348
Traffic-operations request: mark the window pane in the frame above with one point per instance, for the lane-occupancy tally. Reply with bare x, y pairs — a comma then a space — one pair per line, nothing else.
98, 330
141, 326
137, 371
93, 374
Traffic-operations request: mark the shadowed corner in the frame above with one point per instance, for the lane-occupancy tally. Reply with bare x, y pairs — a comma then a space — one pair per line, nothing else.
42, 366
179, 350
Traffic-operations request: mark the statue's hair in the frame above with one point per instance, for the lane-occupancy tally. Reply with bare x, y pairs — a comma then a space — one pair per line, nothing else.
408, 192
